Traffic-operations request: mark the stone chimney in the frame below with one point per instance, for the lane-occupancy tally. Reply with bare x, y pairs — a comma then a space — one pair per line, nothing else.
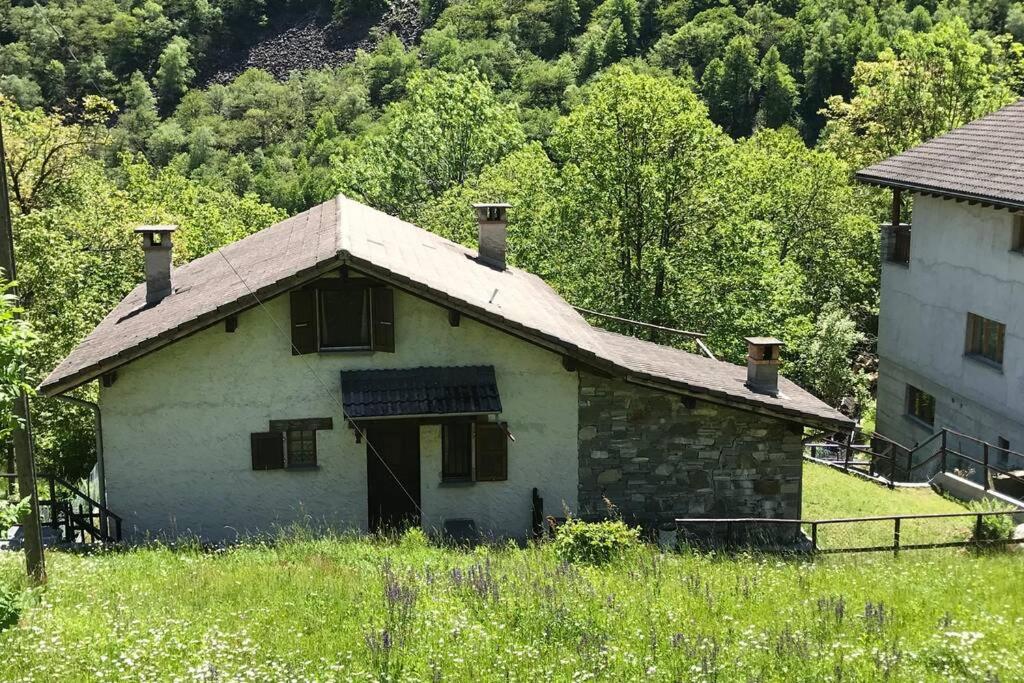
491, 221
157, 248
763, 364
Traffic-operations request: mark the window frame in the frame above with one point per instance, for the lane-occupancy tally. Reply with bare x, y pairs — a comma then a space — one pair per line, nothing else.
978, 337
912, 406
1017, 234
291, 435
321, 316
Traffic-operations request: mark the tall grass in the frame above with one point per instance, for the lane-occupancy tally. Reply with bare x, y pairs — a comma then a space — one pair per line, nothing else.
348, 608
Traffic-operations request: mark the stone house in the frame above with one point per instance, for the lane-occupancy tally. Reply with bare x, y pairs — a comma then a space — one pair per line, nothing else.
350, 370
951, 321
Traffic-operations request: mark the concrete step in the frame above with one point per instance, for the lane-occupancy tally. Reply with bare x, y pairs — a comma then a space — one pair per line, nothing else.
15, 538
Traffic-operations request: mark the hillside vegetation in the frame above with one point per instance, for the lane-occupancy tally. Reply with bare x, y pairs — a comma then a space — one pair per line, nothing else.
683, 162
355, 609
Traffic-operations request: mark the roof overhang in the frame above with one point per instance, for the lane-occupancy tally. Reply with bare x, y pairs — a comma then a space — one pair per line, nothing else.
401, 282
935, 191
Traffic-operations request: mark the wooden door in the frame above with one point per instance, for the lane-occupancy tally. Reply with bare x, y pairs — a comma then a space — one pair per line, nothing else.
393, 475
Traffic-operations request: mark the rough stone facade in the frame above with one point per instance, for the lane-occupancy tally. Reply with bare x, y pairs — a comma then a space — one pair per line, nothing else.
656, 459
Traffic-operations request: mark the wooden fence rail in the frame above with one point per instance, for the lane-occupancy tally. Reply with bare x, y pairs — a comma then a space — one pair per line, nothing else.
731, 523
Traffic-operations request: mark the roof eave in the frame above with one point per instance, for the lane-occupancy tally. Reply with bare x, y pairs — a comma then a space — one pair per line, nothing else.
343, 257
935, 191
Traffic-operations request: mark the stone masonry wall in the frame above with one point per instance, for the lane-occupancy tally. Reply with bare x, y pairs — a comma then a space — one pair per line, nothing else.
656, 460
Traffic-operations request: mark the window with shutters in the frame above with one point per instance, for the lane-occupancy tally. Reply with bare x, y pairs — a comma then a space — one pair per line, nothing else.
474, 452
290, 444
336, 314
985, 339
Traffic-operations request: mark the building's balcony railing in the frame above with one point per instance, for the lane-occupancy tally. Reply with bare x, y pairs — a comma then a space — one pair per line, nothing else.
896, 243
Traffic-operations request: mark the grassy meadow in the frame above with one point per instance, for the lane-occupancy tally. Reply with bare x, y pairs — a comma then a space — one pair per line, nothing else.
351, 608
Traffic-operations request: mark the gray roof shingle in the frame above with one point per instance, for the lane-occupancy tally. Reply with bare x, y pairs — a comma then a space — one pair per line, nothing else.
462, 390
342, 231
980, 162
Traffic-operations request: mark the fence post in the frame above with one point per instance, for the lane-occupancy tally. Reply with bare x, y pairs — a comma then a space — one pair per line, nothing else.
892, 469
54, 521
977, 530
814, 537
849, 448
896, 537
943, 450
984, 460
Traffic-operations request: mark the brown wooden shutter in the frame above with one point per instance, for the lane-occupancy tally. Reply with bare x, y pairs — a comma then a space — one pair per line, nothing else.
267, 450
303, 303
491, 452
383, 308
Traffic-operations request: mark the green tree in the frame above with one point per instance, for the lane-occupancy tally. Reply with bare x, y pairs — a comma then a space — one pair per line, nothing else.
565, 22
139, 119
826, 364
448, 128
640, 156
730, 87
929, 84
175, 73
615, 43
778, 92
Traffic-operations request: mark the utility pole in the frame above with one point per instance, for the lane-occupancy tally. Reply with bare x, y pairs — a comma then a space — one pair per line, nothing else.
22, 434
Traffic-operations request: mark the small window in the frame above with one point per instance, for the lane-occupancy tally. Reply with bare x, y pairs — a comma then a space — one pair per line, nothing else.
1018, 233
920, 405
345, 318
985, 338
1003, 450
301, 451
457, 451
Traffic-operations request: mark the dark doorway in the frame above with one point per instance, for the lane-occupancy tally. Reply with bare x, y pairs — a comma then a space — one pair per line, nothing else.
393, 475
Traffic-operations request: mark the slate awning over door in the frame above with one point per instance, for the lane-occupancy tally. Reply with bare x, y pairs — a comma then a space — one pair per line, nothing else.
469, 390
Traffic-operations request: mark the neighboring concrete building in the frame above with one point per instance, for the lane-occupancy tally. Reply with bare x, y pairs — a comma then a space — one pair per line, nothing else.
951, 325
350, 369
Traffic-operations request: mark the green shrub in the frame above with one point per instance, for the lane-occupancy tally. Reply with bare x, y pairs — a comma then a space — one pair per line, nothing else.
9, 606
594, 542
993, 527
413, 537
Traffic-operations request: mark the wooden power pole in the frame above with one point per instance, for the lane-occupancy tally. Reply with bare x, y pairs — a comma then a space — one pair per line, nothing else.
22, 434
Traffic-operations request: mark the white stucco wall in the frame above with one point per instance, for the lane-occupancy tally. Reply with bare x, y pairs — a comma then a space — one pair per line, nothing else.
960, 262
176, 428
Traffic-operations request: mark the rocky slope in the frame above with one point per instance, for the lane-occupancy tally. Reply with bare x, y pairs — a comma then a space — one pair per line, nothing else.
316, 42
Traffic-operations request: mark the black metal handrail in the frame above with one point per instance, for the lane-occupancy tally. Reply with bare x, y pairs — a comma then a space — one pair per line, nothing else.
91, 522
890, 460
897, 520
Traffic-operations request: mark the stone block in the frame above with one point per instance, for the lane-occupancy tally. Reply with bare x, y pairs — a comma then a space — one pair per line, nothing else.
609, 476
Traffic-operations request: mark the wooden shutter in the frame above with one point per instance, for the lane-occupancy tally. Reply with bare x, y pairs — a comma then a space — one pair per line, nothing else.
383, 310
268, 451
491, 452
303, 303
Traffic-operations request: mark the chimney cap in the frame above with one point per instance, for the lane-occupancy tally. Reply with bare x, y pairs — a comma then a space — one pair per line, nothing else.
764, 341
142, 229
492, 205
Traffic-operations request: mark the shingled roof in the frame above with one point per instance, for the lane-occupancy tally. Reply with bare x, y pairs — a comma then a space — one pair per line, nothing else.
979, 162
345, 232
